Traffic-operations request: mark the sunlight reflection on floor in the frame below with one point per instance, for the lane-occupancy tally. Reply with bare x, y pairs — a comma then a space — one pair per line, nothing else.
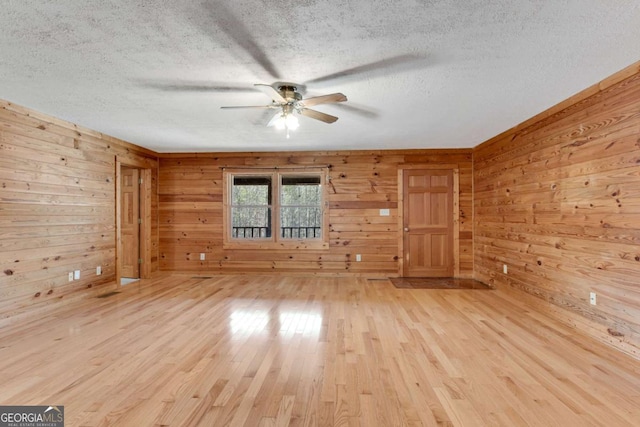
243, 321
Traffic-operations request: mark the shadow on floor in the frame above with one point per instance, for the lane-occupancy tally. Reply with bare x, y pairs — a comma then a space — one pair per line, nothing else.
437, 283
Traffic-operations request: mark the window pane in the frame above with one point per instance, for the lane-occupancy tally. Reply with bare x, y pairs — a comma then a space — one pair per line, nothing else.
301, 216
251, 210
299, 222
250, 222
300, 207
251, 190
301, 191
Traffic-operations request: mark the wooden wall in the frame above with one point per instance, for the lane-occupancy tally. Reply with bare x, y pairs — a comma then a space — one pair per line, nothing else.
363, 182
557, 199
57, 209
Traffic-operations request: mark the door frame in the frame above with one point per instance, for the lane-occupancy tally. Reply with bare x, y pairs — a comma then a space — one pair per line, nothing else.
456, 211
145, 214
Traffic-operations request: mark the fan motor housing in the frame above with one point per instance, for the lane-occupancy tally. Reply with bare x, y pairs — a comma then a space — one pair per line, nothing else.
289, 92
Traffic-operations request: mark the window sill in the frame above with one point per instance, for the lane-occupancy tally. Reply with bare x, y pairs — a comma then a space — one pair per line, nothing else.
248, 244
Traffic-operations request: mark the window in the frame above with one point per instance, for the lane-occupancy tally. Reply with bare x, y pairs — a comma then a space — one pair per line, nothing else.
251, 207
275, 210
300, 207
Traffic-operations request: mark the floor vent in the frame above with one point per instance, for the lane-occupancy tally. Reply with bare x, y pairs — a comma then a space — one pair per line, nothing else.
202, 277
108, 294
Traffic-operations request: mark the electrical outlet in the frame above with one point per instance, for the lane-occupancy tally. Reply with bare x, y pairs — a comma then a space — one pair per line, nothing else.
76, 275
592, 298
98, 270
505, 270
202, 256
71, 276
358, 257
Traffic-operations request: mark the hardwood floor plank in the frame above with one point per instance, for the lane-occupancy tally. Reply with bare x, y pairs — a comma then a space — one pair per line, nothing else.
245, 350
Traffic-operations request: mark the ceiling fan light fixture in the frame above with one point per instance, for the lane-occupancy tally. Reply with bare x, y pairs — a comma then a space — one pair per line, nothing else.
287, 98
287, 121
280, 122
291, 122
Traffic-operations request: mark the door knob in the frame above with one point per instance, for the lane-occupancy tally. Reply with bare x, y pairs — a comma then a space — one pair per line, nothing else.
406, 229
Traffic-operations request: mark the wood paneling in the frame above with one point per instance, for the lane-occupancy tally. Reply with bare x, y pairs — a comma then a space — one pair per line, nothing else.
557, 199
362, 183
57, 210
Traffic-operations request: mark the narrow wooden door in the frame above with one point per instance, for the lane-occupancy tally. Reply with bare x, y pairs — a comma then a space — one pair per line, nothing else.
130, 222
428, 223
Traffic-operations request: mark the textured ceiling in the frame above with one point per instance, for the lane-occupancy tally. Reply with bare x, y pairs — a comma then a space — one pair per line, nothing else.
417, 73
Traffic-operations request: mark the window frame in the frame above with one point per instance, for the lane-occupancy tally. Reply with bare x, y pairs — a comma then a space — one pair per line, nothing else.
276, 241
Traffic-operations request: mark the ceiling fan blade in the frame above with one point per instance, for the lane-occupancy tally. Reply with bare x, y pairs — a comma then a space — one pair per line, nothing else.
359, 110
238, 32
395, 63
271, 93
323, 99
327, 118
196, 86
250, 106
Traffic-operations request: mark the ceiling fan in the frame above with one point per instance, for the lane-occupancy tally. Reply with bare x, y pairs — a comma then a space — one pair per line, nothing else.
288, 101
286, 97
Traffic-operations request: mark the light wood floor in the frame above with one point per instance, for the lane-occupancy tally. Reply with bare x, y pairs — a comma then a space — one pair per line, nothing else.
271, 351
